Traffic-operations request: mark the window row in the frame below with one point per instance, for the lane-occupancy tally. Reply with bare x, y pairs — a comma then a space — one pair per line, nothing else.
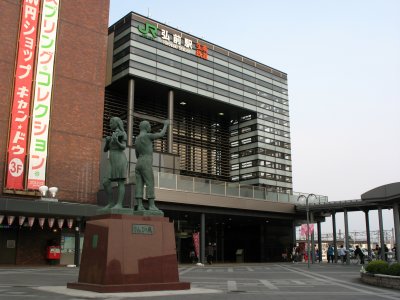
261, 163
195, 83
200, 62
268, 152
222, 57
213, 77
263, 175
260, 127
273, 120
262, 139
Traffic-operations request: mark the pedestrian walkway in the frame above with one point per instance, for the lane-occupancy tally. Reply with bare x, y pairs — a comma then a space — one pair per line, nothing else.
228, 281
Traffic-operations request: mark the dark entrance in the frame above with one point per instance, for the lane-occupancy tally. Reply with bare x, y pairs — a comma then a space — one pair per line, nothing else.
233, 238
8, 244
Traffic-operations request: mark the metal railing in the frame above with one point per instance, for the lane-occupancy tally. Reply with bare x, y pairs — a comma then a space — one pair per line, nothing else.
183, 183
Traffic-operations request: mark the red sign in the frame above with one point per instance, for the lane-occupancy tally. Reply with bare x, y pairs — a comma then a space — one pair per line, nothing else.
17, 143
196, 243
202, 51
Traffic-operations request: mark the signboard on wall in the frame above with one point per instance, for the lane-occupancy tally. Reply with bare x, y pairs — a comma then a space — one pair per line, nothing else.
32, 92
176, 41
43, 88
22, 94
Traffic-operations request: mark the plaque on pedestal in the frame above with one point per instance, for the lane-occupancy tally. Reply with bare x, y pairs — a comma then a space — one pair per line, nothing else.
125, 253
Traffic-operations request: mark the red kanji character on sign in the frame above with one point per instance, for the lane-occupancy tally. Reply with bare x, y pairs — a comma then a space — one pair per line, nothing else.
201, 51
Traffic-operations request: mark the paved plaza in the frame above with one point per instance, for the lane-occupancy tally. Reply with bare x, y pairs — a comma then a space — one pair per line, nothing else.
236, 281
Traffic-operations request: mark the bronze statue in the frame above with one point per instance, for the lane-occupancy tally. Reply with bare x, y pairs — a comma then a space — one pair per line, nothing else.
144, 166
116, 144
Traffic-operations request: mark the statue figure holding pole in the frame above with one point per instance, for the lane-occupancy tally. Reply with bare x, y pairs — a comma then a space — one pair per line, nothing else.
144, 167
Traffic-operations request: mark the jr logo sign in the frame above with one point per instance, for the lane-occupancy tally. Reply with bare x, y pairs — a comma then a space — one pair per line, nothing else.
148, 28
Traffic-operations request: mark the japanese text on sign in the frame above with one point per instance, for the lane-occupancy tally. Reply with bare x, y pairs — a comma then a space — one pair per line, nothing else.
17, 143
43, 91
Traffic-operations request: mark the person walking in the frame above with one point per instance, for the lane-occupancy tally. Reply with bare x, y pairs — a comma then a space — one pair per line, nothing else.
360, 254
330, 254
342, 253
210, 254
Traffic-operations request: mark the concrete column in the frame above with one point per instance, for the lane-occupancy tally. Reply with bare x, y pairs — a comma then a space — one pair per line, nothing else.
366, 212
346, 235
312, 250
77, 242
217, 243
381, 234
334, 235
131, 100
222, 243
170, 118
203, 238
319, 241
396, 229
262, 242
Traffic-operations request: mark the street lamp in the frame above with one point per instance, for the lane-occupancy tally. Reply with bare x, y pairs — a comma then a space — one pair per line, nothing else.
308, 225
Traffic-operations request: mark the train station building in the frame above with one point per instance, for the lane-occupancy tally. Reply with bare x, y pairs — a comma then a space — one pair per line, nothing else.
224, 170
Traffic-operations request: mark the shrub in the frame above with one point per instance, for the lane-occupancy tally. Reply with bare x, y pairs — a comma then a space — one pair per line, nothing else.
377, 267
394, 269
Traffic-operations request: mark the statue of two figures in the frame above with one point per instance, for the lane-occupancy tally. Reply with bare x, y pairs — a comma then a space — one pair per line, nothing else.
116, 144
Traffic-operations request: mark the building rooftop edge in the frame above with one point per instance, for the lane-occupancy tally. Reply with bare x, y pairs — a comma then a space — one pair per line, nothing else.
111, 28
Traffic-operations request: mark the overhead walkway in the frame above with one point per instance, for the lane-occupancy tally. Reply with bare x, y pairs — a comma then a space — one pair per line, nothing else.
382, 197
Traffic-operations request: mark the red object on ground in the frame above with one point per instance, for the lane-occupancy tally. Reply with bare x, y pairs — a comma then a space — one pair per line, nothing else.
53, 252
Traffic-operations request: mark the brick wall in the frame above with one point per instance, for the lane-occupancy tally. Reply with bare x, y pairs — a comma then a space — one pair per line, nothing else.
32, 245
9, 16
78, 94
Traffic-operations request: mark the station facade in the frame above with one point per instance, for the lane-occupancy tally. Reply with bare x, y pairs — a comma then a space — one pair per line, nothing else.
224, 170
225, 167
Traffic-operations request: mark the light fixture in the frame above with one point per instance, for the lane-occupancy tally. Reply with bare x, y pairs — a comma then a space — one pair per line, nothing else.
221, 113
53, 191
43, 190
182, 103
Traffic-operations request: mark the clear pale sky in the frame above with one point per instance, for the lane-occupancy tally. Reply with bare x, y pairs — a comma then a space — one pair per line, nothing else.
343, 63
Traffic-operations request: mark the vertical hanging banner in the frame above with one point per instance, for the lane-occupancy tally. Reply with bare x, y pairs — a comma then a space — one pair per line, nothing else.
43, 92
22, 94
304, 230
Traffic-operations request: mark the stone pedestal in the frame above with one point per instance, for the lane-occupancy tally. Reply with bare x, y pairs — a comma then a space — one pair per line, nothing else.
124, 253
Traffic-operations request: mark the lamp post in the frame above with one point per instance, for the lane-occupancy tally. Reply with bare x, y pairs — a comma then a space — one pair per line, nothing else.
308, 225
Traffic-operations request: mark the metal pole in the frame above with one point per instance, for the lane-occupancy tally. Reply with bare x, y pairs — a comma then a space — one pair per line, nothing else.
77, 242
202, 238
396, 230
346, 236
308, 225
334, 235
312, 240
308, 234
368, 233
382, 237
170, 118
319, 241
131, 99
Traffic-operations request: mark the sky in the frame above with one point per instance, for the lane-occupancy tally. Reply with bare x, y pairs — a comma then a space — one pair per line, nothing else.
342, 58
